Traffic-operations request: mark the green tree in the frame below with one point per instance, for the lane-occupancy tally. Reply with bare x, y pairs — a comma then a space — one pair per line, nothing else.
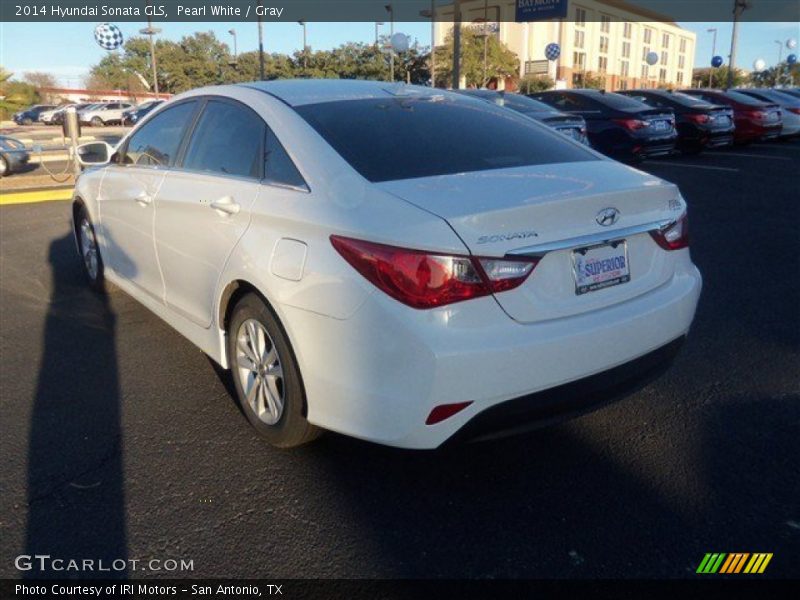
535, 83
701, 77
594, 81
500, 61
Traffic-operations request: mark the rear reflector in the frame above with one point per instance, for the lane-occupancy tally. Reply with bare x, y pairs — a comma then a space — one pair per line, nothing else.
445, 411
426, 280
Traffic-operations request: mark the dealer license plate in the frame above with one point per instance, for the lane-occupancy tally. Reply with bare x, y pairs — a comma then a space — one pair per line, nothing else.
599, 267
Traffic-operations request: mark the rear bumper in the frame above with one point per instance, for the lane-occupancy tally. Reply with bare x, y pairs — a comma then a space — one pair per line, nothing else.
378, 374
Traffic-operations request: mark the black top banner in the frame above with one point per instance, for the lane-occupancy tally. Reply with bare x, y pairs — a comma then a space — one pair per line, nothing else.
398, 10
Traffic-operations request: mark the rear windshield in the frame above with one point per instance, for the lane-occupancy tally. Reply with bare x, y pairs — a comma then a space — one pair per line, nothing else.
688, 100
404, 138
744, 98
617, 101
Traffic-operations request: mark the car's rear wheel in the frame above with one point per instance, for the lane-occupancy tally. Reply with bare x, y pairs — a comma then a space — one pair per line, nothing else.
266, 375
3, 166
90, 252
27, 121
97, 122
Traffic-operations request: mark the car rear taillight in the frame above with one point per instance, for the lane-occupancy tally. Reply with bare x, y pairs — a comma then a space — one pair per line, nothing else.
698, 118
755, 114
631, 124
445, 411
794, 110
674, 236
427, 280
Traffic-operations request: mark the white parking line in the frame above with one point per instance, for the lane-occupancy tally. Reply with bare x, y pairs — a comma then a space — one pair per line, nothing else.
674, 164
748, 155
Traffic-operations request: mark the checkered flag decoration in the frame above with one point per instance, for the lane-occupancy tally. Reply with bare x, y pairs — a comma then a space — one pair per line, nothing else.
108, 36
552, 51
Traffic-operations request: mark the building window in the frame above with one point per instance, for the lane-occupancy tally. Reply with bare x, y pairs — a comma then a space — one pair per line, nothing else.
602, 64
680, 78
665, 40
605, 23
579, 60
626, 49
664, 57
645, 72
645, 52
681, 61
662, 75
648, 36
683, 44
579, 38
624, 68
603, 44
627, 28
580, 17
623, 84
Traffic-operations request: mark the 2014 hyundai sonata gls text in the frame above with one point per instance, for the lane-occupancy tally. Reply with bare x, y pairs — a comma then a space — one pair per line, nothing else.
391, 262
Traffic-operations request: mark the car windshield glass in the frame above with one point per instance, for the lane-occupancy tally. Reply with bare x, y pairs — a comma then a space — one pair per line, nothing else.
523, 103
617, 101
688, 100
744, 98
403, 138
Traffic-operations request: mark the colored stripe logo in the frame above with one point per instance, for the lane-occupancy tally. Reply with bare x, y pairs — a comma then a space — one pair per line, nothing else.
736, 562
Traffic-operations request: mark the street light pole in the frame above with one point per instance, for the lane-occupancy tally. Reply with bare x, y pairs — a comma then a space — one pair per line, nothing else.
456, 44
713, 54
779, 67
390, 9
151, 31
235, 48
377, 24
739, 6
260, 44
305, 45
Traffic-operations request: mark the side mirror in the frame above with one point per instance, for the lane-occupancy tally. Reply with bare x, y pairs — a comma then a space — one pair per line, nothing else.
94, 153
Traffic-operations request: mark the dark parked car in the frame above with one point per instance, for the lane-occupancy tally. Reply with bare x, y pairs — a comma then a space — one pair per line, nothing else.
700, 124
790, 107
13, 156
617, 125
134, 114
755, 120
31, 115
58, 118
571, 125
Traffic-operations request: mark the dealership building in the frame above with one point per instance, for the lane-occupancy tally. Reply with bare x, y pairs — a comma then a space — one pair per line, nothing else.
610, 38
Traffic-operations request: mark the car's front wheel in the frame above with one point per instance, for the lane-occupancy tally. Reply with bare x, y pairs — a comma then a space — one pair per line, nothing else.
90, 252
266, 375
3, 166
97, 122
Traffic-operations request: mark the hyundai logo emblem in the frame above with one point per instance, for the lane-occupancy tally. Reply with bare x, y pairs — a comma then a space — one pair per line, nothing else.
607, 217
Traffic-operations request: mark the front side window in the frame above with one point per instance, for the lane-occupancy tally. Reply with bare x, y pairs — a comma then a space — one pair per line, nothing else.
226, 141
157, 142
387, 139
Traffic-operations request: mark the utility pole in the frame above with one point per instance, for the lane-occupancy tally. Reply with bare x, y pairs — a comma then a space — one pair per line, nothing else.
739, 6
432, 15
779, 67
305, 45
713, 54
151, 31
260, 43
235, 60
377, 24
456, 44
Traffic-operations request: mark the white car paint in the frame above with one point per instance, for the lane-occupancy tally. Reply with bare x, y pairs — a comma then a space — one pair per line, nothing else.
107, 112
373, 367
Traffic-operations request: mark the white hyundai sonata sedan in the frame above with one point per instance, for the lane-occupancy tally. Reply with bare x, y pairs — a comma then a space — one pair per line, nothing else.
391, 262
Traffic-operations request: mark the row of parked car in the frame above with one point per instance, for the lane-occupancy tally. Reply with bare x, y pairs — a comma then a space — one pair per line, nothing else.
636, 124
96, 114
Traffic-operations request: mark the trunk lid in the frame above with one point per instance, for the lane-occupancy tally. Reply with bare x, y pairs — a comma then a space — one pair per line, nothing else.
504, 211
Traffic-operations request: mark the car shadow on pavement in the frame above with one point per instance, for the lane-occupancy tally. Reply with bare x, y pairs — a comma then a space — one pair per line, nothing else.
75, 485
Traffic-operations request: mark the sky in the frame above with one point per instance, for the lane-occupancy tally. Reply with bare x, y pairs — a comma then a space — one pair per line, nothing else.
67, 50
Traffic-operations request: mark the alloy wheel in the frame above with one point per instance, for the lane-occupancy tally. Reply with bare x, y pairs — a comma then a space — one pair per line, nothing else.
260, 371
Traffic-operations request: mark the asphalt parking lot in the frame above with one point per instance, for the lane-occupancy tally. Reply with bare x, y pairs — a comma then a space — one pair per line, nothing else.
121, 440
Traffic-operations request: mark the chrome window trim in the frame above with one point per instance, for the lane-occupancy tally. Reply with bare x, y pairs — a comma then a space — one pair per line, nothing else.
601, 237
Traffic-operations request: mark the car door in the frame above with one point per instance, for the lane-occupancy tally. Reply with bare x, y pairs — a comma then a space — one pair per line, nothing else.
127, 196
203, 207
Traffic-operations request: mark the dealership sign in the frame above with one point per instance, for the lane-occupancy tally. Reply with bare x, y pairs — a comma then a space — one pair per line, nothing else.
538, 10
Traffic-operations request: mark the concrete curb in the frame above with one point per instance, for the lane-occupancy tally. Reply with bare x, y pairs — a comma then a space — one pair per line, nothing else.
38, 195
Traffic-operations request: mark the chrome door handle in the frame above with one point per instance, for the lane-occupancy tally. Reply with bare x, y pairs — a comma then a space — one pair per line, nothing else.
226, 205
144, 199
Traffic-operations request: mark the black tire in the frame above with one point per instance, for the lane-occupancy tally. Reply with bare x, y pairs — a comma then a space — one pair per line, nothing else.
97, 122
291, 428
27, 121
95, 277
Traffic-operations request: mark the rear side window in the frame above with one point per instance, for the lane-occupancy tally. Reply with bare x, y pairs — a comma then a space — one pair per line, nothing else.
227, 141
157, 142
278, 167
404, 138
